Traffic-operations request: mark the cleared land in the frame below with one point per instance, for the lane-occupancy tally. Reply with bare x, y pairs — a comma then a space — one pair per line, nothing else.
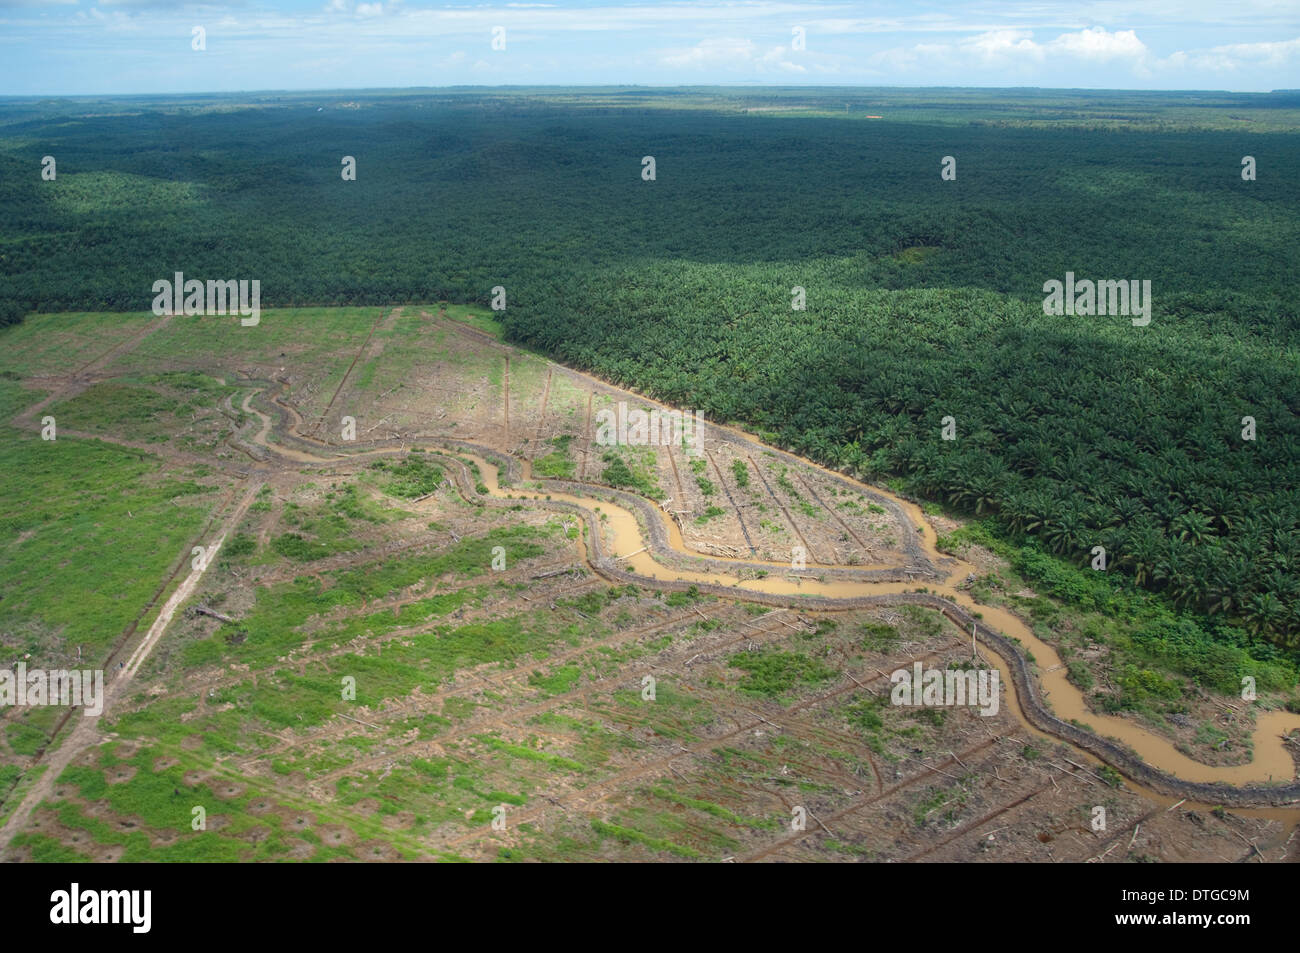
514, 692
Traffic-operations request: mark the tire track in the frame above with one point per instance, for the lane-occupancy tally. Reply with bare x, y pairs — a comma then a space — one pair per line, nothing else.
346, 374
836, 516
184, 590
788, 518
541, 417
726, 490
506, 404
672, 462
586, 429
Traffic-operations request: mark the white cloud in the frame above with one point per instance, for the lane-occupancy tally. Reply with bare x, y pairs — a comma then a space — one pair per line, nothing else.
1264, 54
1099, 45
720, 51
361, 9
999, 45
731, 53
1231, 58
1017, 50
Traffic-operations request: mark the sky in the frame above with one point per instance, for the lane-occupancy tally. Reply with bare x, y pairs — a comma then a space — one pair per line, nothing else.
101, 47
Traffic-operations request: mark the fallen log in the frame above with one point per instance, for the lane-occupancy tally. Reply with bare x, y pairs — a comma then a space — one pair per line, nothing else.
556, 572
204, 610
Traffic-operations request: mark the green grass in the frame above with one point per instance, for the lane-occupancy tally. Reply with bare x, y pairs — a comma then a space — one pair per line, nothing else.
409, 478
715, 810
771, 673
631, 473
879, 637
25, 739
59, 343
151, 408
531, 754
558, 681
164, 802
328, 527
476, 317
87, 533
710, 512
630, 836
783, 481
280, 610
557, 464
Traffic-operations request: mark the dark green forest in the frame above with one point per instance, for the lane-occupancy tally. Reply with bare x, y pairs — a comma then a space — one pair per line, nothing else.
924, 296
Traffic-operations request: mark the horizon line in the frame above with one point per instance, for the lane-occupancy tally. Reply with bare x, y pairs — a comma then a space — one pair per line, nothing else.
638, 86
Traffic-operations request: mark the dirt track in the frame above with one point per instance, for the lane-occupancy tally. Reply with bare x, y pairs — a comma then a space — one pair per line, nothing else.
85, 733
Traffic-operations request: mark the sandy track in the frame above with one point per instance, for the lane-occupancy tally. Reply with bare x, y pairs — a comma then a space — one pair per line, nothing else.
85, 733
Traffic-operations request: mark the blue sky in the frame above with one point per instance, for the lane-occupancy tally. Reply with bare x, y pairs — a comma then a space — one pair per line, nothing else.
62, 47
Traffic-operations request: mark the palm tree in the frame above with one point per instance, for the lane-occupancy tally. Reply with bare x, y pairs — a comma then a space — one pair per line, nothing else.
1144, 548
1227, 588
1265, 614
1276, 525
1040, 507
1017, 510
1177, 570
1065, 533
1222, 505
1192, 527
